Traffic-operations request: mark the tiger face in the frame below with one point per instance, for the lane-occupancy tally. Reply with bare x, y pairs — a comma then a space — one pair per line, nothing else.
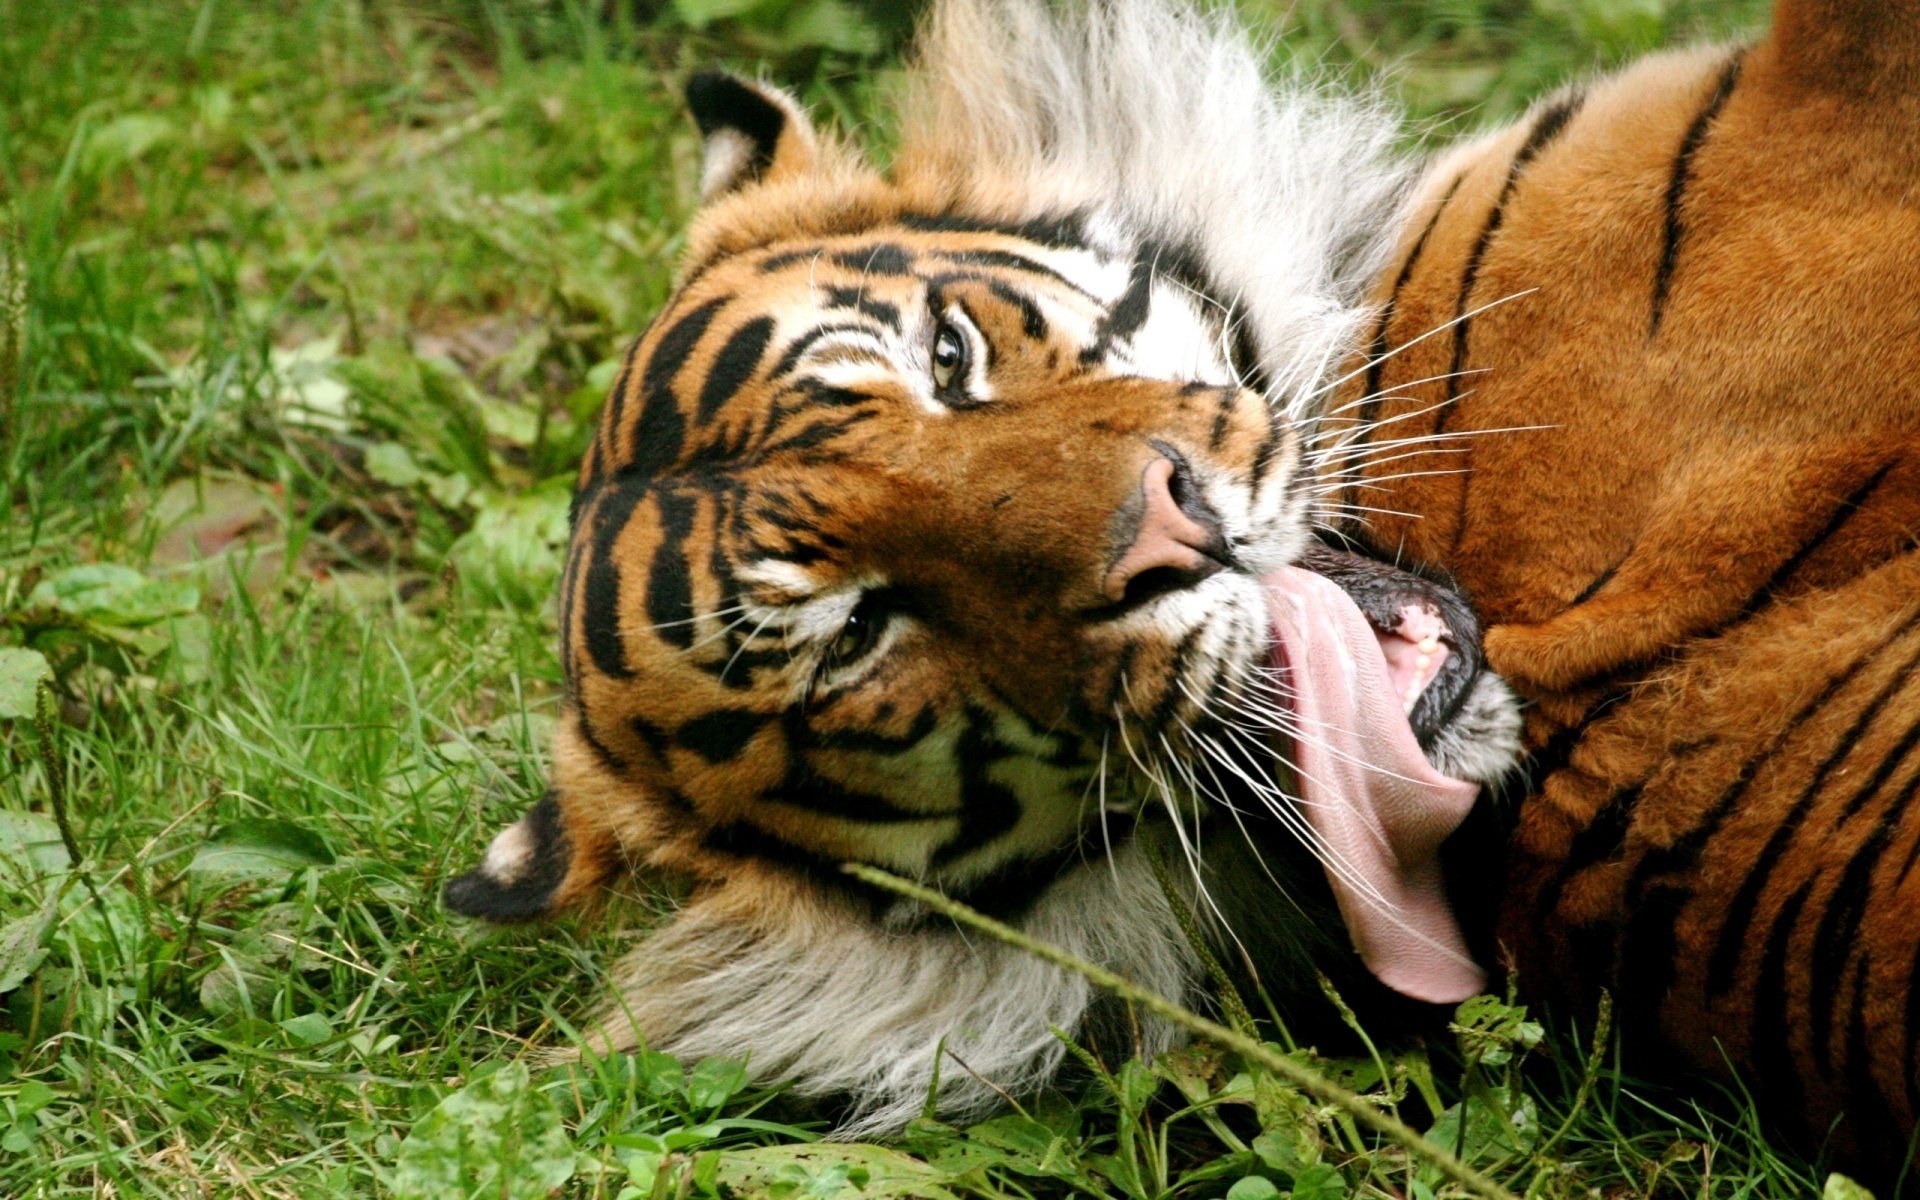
961, 534
888, 535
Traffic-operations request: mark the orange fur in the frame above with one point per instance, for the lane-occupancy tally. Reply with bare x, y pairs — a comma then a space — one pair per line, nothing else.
1695, 538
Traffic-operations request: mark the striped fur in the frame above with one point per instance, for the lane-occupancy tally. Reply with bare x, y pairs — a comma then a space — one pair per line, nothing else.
1682, 482
827, 600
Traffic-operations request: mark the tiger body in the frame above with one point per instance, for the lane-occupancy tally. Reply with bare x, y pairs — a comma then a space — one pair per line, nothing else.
825, 602
1687, 294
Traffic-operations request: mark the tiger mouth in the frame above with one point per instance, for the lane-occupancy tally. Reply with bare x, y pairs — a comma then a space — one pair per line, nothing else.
1368, 658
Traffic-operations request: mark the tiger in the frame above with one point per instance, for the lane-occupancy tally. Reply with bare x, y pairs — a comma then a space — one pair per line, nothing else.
1656, 344
972, 519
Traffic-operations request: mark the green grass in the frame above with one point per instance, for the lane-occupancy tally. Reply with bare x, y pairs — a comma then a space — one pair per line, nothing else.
320, 300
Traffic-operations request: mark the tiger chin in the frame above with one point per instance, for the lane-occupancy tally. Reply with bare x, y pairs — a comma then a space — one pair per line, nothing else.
961, 520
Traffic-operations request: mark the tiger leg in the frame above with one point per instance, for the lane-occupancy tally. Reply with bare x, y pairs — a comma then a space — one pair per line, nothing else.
1733, 848
1739, 525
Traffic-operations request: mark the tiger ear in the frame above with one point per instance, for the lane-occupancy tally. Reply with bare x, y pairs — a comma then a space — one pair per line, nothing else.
533, 868
752, 132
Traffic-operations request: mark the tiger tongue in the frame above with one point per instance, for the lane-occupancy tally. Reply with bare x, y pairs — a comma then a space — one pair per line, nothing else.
1377, 808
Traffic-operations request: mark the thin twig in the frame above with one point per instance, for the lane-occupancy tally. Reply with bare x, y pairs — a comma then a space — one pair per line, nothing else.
1305, 1078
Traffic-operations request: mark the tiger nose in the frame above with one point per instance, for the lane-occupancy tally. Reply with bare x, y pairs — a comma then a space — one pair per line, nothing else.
1166, 538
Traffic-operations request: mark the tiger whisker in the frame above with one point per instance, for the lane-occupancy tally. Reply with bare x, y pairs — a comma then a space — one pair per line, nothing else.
1393, 394
1435, 331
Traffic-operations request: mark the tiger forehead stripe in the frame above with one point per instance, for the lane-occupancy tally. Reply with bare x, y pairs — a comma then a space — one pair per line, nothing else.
657, 423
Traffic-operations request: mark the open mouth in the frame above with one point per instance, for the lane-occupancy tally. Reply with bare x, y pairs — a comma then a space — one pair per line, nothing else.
1372, 663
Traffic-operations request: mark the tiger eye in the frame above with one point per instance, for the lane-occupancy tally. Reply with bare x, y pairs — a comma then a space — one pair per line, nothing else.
949, 356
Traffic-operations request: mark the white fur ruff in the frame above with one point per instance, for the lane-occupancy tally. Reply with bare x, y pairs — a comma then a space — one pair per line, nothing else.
1166, 117
848, 1007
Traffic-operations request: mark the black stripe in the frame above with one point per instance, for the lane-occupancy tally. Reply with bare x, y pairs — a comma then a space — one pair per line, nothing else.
1552, 758
1777, 1075
1868, 1103
1684, 855
1605, 833
1171, 693
659, 435
609, 761
818, 434
1787, 570
1684, 852
1648, 952
1601, 580
1732, 936
669, 600
1888, 764
1677, 189
799, 346
881, 258
857, 299
1377, 352
805, 788
1834, 937
1008, 891
989, 809
569, 596
1001, 259
720, 735
607, 518
781, 260
867, 740
611, 423
728, 497
1129, 312
1067, 232
1032, 322
1910, 1032
653, 737
1552, 121
733, 366
1225, 401
743, 839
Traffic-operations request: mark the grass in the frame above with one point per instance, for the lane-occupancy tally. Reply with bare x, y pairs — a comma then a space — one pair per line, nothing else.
319, 299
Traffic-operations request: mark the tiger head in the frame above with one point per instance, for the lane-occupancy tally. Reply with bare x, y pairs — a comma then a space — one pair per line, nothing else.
951, 520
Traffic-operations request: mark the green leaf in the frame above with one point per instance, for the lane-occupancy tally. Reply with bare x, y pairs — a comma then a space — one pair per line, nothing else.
260, 847
235, 986
1839, 1187
701, 13
307, 1029
1319, 1182
831, 1171
714, 1081
1492, 1032
21, 943
30, 846
20, 674
496, 1137
513, 553
392, 464
1289, 1148
831, 25
1487, 1124
111, 594
32, 1097
1253, 1187
124, 139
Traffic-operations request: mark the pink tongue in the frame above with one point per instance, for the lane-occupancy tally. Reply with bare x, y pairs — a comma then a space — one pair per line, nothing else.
1376, 806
